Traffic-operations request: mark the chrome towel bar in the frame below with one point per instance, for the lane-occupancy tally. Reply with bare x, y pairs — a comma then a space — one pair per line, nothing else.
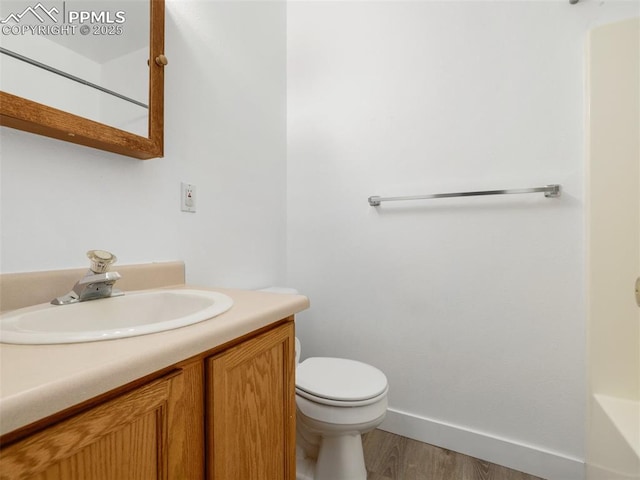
550, 191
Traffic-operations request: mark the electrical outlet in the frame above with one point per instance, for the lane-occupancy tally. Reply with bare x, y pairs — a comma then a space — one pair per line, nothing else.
187, 197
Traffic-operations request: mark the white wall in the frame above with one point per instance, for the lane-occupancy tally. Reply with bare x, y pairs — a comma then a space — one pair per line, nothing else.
473, 307
225, 133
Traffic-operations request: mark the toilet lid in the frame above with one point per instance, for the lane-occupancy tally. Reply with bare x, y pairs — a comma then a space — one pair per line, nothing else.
340, 379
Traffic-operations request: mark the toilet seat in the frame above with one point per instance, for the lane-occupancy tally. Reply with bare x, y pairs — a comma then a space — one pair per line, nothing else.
340, 382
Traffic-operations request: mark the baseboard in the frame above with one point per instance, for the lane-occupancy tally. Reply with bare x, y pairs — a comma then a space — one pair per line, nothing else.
517, 456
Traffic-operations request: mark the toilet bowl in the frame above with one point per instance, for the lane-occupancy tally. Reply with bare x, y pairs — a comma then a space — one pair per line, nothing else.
337, 400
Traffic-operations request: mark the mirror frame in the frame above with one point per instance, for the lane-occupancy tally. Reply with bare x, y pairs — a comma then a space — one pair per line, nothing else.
22, 114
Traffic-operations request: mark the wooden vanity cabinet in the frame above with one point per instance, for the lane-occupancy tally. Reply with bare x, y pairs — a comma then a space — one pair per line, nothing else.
227, 414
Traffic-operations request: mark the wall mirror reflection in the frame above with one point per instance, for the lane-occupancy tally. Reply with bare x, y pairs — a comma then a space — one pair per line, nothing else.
96, 69
85, 58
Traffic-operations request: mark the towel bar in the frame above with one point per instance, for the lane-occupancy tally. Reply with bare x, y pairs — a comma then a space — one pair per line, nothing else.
550, 191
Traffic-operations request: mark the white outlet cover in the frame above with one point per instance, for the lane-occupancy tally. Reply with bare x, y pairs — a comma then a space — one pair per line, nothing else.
187, 197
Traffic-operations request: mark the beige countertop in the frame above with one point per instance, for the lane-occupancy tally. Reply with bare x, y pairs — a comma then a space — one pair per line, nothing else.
39, 380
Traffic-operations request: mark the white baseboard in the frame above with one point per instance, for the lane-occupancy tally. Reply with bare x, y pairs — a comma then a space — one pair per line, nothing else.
517, 456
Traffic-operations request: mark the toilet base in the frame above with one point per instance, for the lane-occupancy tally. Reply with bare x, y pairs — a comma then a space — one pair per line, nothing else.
305, 466
339, 458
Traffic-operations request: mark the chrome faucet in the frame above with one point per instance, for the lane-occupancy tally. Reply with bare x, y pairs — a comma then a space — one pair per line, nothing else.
97, 283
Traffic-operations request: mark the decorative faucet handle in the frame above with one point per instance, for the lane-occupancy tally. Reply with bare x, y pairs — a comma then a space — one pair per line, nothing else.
101, 260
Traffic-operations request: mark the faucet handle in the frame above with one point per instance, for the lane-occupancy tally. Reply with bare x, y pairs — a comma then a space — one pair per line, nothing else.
101, 260
106, 277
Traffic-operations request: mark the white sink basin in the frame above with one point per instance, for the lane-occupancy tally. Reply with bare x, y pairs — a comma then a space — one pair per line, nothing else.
136, 313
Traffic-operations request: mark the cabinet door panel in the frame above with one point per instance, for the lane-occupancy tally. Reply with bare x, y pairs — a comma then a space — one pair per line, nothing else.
130, 452
125, 438
251, 414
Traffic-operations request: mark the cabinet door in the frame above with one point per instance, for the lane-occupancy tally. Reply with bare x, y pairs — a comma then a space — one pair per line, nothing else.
125, 438
251, 409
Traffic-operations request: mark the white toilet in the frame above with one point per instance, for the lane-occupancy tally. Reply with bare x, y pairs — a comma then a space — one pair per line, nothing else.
337, 401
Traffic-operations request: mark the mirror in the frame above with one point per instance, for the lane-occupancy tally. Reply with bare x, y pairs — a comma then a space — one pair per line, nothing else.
94, 70
105, 91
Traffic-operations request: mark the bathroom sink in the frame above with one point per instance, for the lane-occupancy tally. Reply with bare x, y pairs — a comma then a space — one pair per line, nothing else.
136, 313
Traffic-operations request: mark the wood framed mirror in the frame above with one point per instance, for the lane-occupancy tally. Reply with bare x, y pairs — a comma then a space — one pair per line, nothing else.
39, 118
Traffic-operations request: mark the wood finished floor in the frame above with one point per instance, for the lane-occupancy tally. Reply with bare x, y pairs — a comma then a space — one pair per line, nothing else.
392, 457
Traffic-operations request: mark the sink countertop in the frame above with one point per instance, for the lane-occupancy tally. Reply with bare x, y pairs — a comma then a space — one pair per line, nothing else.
39, 380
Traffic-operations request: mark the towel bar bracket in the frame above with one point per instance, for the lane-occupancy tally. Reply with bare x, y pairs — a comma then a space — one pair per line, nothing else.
553, 191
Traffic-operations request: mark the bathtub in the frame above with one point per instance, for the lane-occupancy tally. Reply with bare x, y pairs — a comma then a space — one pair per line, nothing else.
614, 446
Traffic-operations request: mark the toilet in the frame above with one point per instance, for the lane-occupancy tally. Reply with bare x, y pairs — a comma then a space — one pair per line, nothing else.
337, 400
